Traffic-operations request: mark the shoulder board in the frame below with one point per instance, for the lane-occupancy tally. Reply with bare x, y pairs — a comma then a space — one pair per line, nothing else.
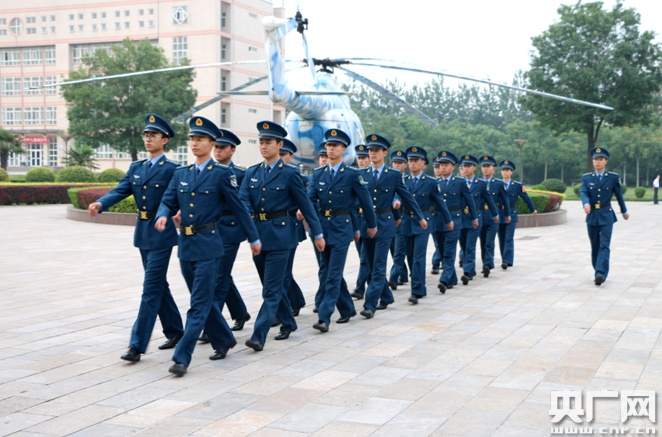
292, 166
218, 164
240, 168
321, 167
394, 170
517, 183
588, 174
462, 178
613, 172
255, 165
183, 167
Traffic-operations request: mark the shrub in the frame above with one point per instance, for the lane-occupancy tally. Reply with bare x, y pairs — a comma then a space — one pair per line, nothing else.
23, 193
17, 178
556, 185
3, 175
640, 192
40, 174
576, 188
624, 188
110, 175
75, 174
544, 201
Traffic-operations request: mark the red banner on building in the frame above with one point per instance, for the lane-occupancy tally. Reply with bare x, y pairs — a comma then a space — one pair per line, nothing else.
35, 139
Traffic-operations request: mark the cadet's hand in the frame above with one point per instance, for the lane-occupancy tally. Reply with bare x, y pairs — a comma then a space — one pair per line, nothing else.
495, 219
357, 236
507, 219
372, 232
626, 215
177, 218
396, 204
299, 215
94, 208
320, 244
256, 248
423, 223
475, 223
450, 226
160, 223
587, 208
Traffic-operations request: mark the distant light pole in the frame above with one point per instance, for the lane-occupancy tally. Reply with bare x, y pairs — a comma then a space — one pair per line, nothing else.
520, 146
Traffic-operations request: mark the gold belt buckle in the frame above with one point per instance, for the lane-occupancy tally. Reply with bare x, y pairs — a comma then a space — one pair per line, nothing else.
143, 215
360, 210
327, 213
262, 216
188, 230
597, 206
466, 210
486, 207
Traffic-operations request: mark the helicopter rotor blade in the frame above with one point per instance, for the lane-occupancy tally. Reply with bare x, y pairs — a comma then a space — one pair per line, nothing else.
394, 97
489, 82
157, 70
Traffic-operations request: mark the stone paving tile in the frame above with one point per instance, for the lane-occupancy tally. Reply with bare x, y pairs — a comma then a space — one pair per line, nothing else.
479, 360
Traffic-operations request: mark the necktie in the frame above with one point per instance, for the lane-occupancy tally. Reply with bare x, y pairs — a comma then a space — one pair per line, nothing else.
415, 183
333, 173
268, 169
375, 174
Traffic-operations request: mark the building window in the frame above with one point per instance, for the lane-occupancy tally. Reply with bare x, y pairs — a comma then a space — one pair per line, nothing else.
3, 21
151, 12
32, 55
225, 49
94, 27
126, 24
180, 155
44, 30
141, 23
71, 16
180, 14
15, 26
17, 159
225, 80
151, 23
11, 116
104, 151
225, 114
32, 86
103, 26
10, 56
117, 26
49, 88
32, 116
52, 152
252, 110
225, 16
252, 141
79, 51
31, 20
141, 12
50, 115
103, 15
179, 49
3, 32
11, 86
52, 18
80, 16
80, 27
127, 13
31, 30
117, 13
252, 49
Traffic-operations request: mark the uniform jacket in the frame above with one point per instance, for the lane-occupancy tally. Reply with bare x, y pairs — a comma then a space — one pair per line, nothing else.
431, 202
515, 190
458, 199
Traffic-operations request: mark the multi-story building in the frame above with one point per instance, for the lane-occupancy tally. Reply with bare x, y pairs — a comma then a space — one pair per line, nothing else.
41, 41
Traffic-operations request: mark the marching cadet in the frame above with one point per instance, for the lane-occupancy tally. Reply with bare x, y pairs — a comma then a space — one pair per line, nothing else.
362, 161
469, 234
294, 293
383, 185
424, 190
596, 191
273, 191
202, 191
399, 273
437, 256
514, 190
335, 190
496, 189
146, 180
458, 199
322, 158
231, 232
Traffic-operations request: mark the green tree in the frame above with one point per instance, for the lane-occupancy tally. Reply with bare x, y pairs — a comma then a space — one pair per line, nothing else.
112, 112
597, 55
80, 155
9, 143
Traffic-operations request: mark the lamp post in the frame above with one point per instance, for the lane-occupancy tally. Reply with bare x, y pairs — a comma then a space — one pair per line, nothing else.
520, 146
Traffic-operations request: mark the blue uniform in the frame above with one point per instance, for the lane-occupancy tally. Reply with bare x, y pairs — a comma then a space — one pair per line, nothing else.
147, 181
399, 272
496, 189
458, 199
202, 196
294, 294
426, 194
597, 190
469, 235
273, 194
383, 189
362, 276
336, 196
514, 190
233, 235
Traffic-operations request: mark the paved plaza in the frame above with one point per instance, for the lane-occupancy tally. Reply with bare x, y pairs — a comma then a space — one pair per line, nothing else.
480, 360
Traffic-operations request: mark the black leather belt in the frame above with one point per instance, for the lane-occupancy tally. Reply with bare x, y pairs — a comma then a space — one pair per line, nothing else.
197, 229
266, 216
334, 212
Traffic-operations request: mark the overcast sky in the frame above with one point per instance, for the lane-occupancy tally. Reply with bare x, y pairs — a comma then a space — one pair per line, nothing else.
484, 38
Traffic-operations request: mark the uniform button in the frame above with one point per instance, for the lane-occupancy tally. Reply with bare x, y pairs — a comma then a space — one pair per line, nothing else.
144, 197
157, 185
262, 199
213, 232
375, 190
144, 187
330, 192
190, 215
261, 209
264, 189
144, 207
329, 201
191, 205
193, 194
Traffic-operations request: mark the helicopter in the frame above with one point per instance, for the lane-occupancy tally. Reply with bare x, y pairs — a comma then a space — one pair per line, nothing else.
326, 105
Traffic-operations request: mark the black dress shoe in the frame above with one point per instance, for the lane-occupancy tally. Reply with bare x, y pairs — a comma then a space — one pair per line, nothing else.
486, 272
465, 279
239, 324
296, 312
599, 280
435, 270
257, 347
282, 335
504, 266
442, 288
413, 300
392, 285
315, 310
368, 314
170, 343
321, 327
131, 355
382, 306
356, 295
177, 369
204, 338
221, 353
345, 319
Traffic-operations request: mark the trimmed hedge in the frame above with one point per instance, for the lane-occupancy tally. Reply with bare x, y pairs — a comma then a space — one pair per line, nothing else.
110, 175
639, 192
3, 175
75, 174
40, 174
36, 192
555, 185
82, 197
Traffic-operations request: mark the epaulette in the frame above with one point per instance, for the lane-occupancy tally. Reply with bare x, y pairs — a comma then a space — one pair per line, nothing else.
613, 172
184, 167
588, 174
392, 169
238, 167
255, 165
321, 167
517, 183
218, 164
293, 166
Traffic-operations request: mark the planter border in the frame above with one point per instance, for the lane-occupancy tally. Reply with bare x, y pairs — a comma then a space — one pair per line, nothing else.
553, 218
107, 218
